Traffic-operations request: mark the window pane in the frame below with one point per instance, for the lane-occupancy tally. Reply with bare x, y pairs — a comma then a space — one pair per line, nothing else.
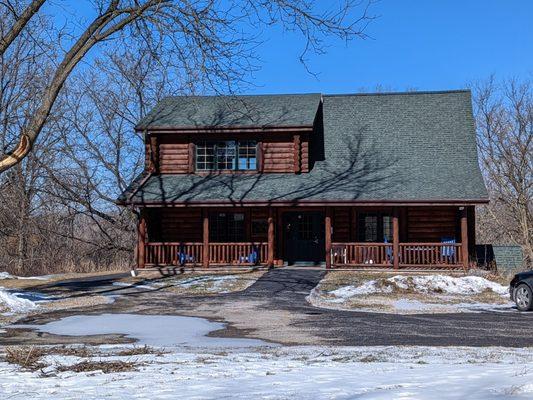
247, 155
368, 227
225, 154
226, 227
205, 155
387, 228
259, 227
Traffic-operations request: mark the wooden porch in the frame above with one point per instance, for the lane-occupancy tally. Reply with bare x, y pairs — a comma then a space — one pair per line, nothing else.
163, 237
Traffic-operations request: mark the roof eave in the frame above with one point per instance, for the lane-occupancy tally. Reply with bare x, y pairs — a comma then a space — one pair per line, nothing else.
285, 203
222, 129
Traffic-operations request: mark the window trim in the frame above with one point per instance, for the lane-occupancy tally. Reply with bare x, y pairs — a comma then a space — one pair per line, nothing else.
236, 157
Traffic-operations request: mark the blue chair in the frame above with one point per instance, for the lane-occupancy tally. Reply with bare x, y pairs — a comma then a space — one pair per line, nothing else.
388, 250
448, 251
183, 257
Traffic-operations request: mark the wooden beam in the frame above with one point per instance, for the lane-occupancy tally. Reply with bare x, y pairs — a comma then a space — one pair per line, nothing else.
297, 154
260, 157
464, 236
191, 157
205, 250
271, 237
154, 155
141, 239
328, 237
396, 238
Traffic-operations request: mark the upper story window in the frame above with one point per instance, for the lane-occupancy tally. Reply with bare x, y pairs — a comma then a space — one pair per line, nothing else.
229, 155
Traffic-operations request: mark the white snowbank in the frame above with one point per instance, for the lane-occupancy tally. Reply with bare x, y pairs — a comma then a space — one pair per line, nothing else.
12, 303
439, 288
422, 373
440, 284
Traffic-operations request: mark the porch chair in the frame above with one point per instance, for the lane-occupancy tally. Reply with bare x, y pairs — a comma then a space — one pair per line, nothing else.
448, 252
183, 257
252, 258
388, 251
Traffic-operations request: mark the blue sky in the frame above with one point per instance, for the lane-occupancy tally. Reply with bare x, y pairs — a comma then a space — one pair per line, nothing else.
416, 44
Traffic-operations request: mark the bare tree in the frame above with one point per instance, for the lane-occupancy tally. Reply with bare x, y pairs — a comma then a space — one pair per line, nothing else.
206, 37
504, 115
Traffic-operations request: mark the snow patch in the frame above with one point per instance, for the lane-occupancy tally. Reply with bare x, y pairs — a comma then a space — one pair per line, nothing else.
445, 294
445, 284
211, 283
15, 303
7, 275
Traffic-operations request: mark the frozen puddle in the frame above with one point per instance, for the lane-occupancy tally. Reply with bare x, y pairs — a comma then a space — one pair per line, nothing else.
151, 330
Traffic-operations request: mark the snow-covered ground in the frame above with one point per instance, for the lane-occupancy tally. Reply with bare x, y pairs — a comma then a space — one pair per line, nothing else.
15, 302
416, 294
192, 366
287, 373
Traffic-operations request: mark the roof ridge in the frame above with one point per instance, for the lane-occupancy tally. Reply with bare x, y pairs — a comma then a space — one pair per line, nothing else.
413, 92
244, 95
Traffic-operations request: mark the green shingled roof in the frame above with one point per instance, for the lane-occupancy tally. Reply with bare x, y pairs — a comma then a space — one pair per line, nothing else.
376, 147
233, 111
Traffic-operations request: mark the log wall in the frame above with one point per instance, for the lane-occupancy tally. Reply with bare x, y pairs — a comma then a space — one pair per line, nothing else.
431, 224
277, 153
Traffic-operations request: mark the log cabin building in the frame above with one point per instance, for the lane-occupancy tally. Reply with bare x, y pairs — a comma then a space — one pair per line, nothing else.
386, 180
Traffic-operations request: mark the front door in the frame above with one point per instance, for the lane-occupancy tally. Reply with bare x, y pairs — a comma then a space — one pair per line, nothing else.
304, 237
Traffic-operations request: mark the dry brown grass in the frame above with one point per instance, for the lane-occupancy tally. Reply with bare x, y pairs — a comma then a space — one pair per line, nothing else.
30, 358
27, 357
140, 350
105, 366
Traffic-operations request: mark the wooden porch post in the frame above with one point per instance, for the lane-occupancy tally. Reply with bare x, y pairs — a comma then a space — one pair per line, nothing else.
205, 249
395, 238
328, 237
464, 236
141, 239
270, 237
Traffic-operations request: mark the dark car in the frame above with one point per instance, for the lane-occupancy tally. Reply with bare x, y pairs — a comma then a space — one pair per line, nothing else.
521, 290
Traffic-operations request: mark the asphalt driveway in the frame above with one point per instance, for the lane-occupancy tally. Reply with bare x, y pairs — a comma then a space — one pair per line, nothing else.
274, 309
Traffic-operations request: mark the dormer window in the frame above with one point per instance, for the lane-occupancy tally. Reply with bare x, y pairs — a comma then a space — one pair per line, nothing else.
227, 155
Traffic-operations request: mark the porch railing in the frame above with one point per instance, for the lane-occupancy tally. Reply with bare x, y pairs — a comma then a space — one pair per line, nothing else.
430, 255
362, 254
191, 254
164, 253
238, 253
411, 255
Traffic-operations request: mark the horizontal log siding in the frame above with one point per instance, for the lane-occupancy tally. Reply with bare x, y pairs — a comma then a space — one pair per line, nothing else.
176, 225
305, 154
278, 156
341, 224
431, 224
173, 155
279, 153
